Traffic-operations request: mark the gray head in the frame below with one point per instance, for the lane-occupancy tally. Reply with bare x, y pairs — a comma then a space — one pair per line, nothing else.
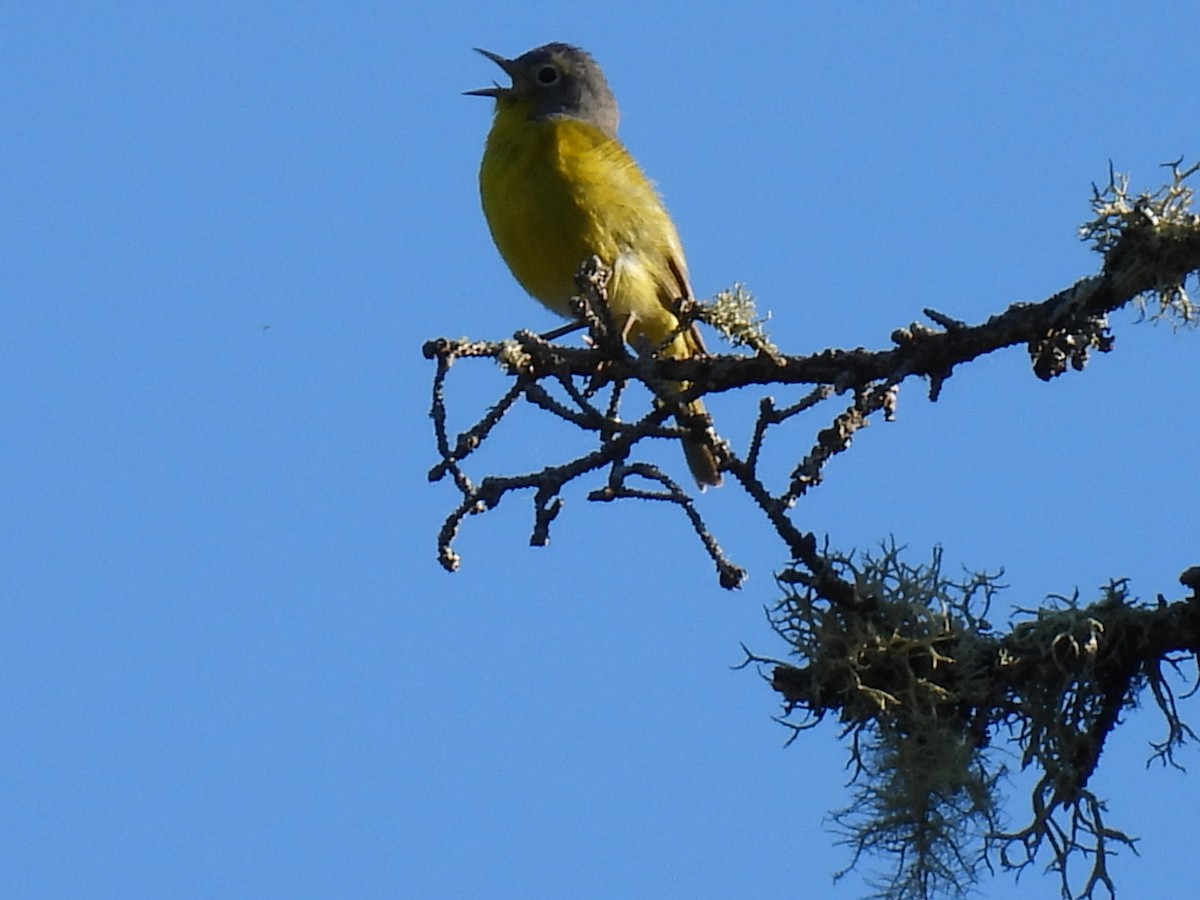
556, 80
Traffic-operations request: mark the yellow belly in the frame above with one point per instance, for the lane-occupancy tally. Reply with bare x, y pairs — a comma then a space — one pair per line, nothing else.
558, 191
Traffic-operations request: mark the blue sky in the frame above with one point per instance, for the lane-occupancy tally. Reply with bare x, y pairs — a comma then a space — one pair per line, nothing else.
230, 665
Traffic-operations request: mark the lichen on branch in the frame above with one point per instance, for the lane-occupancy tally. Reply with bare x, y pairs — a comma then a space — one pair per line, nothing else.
903, 656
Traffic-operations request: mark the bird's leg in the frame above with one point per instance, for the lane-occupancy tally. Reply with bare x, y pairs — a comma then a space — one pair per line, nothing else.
627, 329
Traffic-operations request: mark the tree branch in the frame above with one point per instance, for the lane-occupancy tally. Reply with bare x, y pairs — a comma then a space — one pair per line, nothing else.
905, 657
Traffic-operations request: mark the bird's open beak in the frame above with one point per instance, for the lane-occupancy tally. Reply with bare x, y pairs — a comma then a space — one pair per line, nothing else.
495, 90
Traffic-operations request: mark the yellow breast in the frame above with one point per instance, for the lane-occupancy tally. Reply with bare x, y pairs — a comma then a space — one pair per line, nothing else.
557, 191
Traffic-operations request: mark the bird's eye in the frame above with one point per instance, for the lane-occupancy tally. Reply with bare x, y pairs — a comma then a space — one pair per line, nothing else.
547, 74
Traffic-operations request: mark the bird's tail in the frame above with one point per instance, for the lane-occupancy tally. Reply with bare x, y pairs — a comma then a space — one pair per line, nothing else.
699, 438
698, 444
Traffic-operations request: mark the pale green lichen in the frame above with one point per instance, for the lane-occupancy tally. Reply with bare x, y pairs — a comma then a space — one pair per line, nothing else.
1138, 232
733, 313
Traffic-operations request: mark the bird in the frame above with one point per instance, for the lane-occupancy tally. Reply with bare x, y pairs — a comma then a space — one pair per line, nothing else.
558, 187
